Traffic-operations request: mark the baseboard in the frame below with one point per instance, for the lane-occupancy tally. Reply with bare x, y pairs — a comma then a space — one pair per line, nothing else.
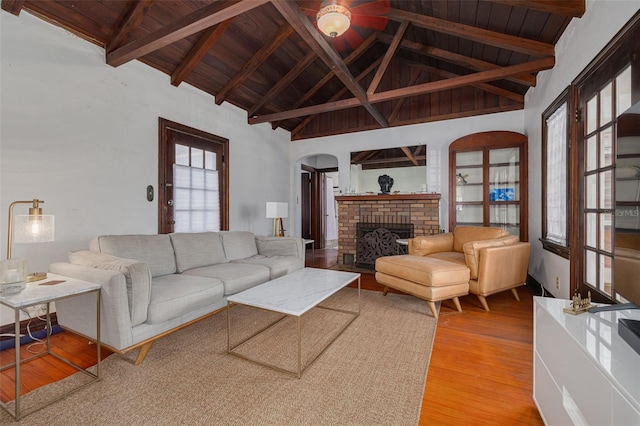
36, 325
536, 288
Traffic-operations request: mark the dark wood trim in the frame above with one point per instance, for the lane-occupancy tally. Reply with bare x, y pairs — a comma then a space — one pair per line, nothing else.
555, 248
13, 6
572, 8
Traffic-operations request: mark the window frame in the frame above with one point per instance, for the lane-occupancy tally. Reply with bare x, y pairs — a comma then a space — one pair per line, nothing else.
547, 244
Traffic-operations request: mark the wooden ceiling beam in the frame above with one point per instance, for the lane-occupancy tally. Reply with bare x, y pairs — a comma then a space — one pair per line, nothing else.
492, 38
409, 155
570, 8
337, 96
324, 80
482, 86
420, 89
387, 57
183, 27
284, 82
292, 13
129, 22
13, 6
457, 59
415, 74
392, 160
197, 52
256, 60
465, 80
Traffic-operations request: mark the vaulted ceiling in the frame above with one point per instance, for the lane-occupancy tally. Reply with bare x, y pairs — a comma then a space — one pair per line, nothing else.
401, 62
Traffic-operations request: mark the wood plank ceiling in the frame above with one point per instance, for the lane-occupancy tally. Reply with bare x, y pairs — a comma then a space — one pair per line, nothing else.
401, 62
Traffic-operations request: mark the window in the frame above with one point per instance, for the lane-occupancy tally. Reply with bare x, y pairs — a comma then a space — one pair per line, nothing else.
555, 172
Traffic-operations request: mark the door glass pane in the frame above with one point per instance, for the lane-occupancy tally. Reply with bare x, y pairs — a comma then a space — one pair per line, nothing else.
623, 91
469, 192
505, 216
473, 158
197, 158
592, 114
591, 228
591, 190
605, 190
210, 160
606, 232
606, 147
469, 215
590, 268
592, 153
469, 184
505, 155
604, 283
182, 155
606, 106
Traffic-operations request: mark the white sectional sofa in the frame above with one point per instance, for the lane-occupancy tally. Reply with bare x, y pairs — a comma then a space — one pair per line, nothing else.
155, 284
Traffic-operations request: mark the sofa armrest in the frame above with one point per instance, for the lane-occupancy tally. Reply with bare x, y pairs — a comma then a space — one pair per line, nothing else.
472, 250
280, 246
78, 313
502, 268
428, 244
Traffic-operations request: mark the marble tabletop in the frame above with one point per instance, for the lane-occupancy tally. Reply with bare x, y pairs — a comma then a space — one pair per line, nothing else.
39, 292
295, 293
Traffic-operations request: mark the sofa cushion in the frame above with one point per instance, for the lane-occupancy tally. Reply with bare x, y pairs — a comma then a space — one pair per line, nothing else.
450, 256
427, 271
465, 234
236, 277
175, 295
239, 244
193, 250
472, 251
137, 277
280, 246
278, 265
154, 250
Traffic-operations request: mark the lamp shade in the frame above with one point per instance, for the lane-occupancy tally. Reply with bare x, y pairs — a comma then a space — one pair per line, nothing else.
333, 20
277, 210
33, 228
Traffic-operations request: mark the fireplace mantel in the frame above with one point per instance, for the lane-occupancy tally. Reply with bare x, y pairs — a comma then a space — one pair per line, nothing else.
421, 210
391, 197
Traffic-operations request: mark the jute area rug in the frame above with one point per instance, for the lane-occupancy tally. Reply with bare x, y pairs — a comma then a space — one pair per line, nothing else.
373, 374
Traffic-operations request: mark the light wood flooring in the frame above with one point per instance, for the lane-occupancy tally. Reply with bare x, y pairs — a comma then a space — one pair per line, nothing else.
480, 370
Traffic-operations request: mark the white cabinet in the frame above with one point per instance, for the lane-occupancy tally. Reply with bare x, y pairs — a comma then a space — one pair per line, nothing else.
584, 373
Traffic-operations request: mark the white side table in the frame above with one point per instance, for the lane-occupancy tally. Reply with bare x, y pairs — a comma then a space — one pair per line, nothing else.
37, 293
313, 249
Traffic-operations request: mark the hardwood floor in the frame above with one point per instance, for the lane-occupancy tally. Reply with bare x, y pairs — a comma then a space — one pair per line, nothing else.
480, 370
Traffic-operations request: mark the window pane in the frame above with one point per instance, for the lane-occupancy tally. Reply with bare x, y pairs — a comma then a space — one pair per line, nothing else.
591, 225
505, 155
506, 217
556, 179
469, 215
592, 153
604, 283
592, 114
591, 268
623, 91
591, 191
210, 160
473, 158
606, 147
606, 106
182, 155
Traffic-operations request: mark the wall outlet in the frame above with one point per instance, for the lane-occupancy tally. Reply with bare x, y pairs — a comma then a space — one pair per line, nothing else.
557, 283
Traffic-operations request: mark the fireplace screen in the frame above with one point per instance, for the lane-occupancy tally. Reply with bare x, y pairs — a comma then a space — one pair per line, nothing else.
377, 239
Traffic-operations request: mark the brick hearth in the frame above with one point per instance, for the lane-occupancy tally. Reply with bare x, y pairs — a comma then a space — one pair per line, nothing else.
420, 209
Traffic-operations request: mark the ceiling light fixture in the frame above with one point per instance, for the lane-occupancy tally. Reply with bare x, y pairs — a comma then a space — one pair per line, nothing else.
333, 19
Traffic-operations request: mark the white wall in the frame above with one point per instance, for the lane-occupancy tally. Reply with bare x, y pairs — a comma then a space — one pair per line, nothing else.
581, 42
83, 136
437, 136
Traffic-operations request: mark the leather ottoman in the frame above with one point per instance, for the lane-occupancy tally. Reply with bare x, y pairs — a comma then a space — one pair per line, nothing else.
428, 278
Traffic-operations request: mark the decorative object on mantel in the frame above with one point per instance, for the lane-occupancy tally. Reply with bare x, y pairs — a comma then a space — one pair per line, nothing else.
385, 182
578, 304
461, 179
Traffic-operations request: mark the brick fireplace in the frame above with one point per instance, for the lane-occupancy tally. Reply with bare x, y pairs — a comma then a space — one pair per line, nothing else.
419, 210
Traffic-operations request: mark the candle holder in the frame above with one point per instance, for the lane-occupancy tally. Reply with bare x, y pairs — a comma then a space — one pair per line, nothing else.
13, 275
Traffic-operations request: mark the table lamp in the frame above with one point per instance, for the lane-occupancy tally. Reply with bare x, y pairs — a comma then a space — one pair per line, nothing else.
32, 228
277, 211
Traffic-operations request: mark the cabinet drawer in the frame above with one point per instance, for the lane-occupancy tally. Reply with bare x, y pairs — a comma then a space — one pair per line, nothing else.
623, 412
547, 395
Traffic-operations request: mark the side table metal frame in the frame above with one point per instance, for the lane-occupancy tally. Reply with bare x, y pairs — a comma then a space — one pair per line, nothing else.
18, 413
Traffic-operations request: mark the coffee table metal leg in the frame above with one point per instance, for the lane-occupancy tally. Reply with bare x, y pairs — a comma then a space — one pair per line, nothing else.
299, 348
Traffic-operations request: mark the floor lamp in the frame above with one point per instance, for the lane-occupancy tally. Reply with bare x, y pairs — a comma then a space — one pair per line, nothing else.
277, 211
32, 228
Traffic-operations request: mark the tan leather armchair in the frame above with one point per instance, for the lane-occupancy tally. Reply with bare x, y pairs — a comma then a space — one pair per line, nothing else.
496, 260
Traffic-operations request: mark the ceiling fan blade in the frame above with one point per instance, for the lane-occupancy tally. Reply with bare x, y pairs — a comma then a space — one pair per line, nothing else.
352, 38
339, 44
378, 23
376, 8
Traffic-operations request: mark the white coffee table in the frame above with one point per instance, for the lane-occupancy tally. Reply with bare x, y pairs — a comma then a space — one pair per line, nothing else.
293, 295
